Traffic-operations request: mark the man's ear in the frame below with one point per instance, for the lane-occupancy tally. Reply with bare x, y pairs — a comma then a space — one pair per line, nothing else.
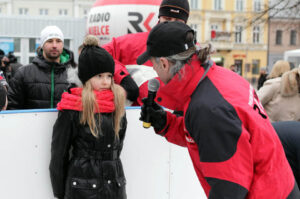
165, 63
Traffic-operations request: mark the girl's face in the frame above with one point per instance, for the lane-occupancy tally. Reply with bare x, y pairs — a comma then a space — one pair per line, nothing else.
101, 81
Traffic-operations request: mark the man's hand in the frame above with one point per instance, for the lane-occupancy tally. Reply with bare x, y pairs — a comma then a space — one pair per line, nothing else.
158, 116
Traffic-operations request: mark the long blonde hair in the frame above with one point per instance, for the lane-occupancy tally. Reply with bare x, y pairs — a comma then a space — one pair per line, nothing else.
89, 105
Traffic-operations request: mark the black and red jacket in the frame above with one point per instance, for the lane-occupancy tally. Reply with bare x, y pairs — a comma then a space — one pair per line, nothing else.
233, 146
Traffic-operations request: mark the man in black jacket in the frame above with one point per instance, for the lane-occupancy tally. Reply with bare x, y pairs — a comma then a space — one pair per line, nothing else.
41, 83
262, 78
289, 134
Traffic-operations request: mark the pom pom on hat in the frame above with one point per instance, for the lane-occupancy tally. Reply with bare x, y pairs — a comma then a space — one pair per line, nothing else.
91, 40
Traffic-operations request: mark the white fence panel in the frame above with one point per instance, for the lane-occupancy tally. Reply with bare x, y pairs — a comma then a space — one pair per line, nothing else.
154, 168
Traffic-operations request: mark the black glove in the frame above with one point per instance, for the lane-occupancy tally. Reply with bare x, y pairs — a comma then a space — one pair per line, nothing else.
130, 87
158, 116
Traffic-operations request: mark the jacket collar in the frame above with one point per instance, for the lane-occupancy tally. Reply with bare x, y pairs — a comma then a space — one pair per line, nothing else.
176, 93
40, 61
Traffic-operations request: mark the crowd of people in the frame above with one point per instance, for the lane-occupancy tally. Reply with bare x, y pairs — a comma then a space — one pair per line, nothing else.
226, 125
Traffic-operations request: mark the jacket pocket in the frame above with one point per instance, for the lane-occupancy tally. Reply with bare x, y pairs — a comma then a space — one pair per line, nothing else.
115, 189
121, 182
120, 189
84, 188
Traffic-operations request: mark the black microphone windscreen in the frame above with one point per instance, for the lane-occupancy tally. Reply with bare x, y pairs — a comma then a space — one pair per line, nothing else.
153, 85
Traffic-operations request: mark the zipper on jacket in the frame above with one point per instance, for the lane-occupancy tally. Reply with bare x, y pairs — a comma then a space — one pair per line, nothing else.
52, 87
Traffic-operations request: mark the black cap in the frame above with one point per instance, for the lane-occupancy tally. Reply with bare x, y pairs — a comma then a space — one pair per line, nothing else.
3, 95
179, 9
94, 60
166, 39
12, 58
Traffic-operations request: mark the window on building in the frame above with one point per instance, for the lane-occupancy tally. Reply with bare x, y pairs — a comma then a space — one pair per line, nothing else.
23, 11
218, 4
255, 66
43, 11
238, 34
278, 37
256, 34
213, 29
67, 43
194, 27
85, 11
17, 44
239, 66
194, 4
293, 39
240, 5
30, 59
257, 5
32, 45
63, 12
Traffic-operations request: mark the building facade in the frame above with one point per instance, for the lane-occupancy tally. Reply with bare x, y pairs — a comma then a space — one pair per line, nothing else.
284, 35
66, 8
22, 21
284, 31
236, 30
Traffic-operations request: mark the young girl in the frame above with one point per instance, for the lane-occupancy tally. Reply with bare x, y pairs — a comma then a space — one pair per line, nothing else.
91, 122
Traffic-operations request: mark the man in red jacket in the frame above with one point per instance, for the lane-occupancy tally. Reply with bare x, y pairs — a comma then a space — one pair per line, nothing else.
126, 49
234, 149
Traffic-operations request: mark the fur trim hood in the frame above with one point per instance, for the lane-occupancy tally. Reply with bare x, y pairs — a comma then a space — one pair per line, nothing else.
289, 83
73, 78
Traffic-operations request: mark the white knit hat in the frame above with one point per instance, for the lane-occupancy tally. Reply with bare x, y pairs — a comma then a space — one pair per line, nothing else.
51, 32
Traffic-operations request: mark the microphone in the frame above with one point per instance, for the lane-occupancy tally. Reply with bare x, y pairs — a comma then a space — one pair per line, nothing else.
153, 85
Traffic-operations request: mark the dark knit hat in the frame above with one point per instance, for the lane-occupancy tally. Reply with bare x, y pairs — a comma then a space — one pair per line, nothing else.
94, 60
179, 9
3, 95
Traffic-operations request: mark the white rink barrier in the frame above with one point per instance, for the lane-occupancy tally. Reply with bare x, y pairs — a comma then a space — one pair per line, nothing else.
154, 168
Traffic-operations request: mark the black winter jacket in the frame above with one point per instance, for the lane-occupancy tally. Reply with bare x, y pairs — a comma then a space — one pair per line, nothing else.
288, 132
85, 167
39, 84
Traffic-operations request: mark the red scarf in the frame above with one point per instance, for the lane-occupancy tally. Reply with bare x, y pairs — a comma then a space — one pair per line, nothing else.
72, 101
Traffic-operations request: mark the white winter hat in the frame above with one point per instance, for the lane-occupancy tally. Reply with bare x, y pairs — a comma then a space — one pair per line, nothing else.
51, 32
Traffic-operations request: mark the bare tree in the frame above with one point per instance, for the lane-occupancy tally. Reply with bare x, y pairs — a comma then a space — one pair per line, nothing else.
281, 9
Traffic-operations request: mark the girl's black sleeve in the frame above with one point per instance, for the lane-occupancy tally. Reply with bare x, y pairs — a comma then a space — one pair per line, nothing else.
122, 131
